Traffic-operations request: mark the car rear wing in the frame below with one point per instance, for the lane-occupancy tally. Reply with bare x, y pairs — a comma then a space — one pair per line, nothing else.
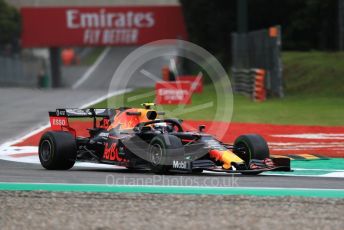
59, 118
79, 113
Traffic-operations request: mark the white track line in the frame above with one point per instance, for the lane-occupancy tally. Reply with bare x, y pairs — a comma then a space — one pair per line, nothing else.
335, 175
91, 69
150, 75
314, 136
326, 170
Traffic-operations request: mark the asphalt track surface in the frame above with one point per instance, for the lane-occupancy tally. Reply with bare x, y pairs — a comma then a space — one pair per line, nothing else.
34, 173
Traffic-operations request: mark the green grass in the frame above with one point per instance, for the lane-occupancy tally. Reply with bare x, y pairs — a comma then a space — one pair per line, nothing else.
302, 110
314, 73
290, 110
92, 57
314, 85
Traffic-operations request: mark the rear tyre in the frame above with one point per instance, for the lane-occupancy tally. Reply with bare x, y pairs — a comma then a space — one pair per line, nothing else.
252, 146
161, 149
57, 150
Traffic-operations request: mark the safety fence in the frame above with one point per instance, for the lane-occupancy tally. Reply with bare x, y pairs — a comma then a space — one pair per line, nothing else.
258, 50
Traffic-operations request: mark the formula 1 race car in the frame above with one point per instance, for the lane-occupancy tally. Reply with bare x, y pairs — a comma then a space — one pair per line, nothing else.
137, 138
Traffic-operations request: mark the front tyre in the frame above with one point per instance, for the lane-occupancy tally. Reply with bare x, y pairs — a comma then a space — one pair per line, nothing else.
57, 150
251, 146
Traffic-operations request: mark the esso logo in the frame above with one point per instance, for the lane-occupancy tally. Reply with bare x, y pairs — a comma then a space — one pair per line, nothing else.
60, 122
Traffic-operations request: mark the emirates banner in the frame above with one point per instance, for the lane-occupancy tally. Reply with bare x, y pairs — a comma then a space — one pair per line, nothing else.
100, 26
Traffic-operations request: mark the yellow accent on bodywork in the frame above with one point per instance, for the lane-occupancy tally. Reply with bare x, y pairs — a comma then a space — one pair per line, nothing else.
228, 157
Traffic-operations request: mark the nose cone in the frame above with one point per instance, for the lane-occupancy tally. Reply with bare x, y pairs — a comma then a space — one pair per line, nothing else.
226, 157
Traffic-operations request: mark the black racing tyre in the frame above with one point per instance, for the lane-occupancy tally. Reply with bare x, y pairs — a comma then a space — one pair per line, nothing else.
57, 150
254, 146
160, 150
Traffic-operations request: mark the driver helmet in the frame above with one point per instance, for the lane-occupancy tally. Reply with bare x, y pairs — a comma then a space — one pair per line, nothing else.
161, 126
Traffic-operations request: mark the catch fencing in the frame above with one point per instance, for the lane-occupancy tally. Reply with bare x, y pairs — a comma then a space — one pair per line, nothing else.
258, 50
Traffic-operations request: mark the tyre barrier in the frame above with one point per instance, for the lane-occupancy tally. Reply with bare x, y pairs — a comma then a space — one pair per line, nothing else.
259, 93
250, 82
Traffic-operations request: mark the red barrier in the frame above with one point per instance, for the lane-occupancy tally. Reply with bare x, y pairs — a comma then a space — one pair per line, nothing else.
259, 93
177, 92
195, 80
68, 56
165, 71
